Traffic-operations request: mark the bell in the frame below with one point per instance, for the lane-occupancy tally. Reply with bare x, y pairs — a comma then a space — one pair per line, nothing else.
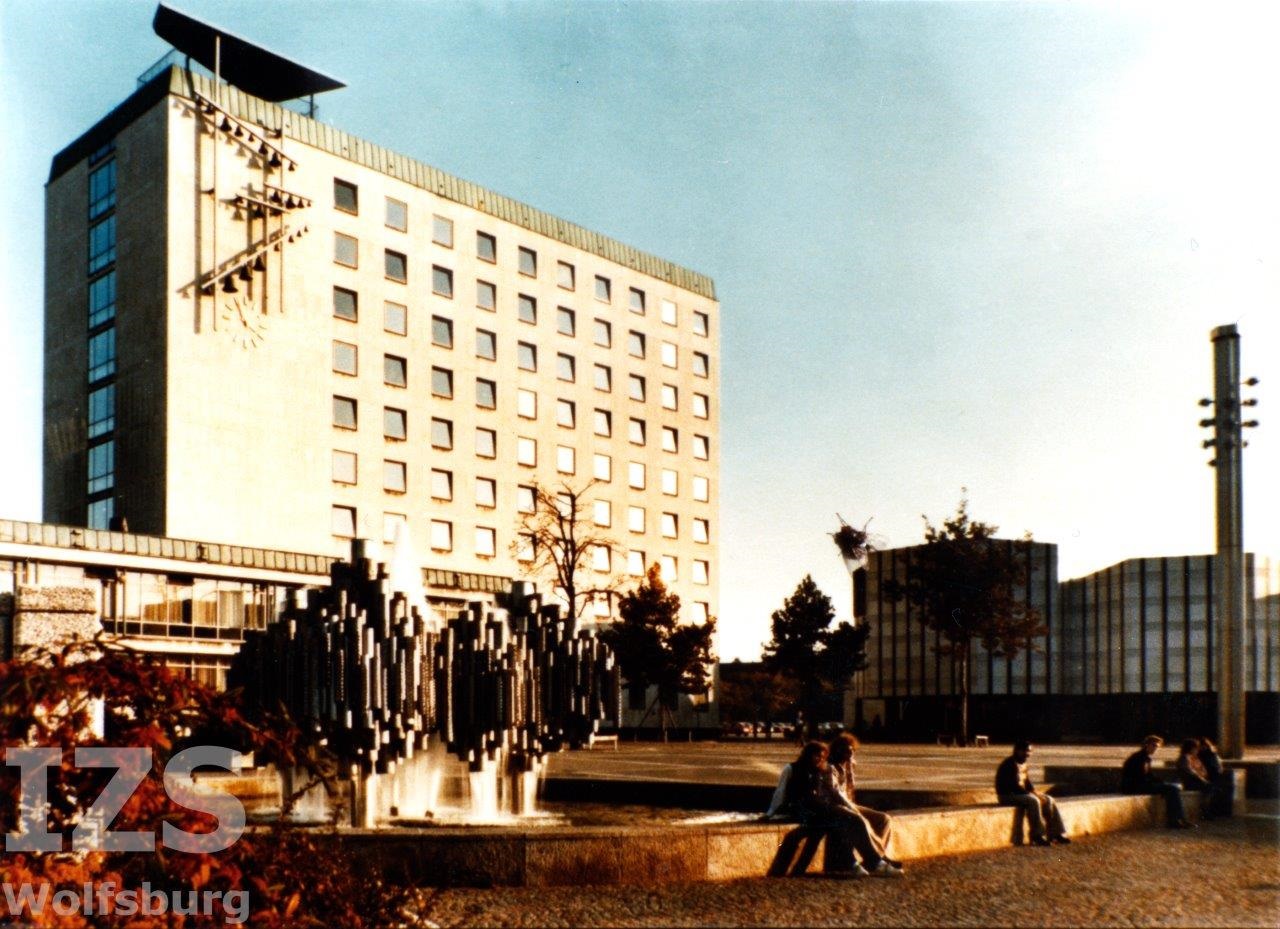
276, 247
293, 166
228, 285
239, 131
245, 274
289, 203
207, 290
226, 125
259, 263
275, 160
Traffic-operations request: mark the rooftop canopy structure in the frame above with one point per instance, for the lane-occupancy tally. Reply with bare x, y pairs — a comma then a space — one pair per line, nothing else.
250, 67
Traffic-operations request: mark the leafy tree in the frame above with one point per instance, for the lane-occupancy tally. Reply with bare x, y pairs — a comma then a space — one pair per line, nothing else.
967, 586
293, 877
655, 649
756, 695
805, 649
557, 540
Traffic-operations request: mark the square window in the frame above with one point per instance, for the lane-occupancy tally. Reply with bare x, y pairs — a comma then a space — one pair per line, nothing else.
670, 439
600, 605
394, 423
344, 467
701, 531
667, 568
344, 303
670, 482
395, 371
603, 423
635, 518
527, 309
397, 214
635, 301
701, 571
486, 295
701, 364
635, 563
344, 358
486, 247
602, 513
565, 322
526, 500
391, 522
701, 323
565, 275
566, 459
701, 489
669, 396
669, 312
441, 281
701, 406
635, 344
441, 332
701, 447
393, 476
346, 250
600, 558
346, 196
700, 611
603, 289
668, 354
566, 414
441, 535
486, 345
442, 231
486, 492
566, 367
524, 547
526, 451
602, 333
343, 522
526, 403
635, 431
397, 266
442, 383
526, 356
635, 475
395, 318
486, 542
603, 378
670, 524
442, 484
486, 443
528, 262
441, 434
635, 387
601, 467
344, 412
486, 394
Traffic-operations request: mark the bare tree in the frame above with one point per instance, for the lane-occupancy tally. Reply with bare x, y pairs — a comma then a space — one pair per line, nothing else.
557, 541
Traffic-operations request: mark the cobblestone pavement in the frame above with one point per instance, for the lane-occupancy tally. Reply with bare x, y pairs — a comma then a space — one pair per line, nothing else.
1225, 873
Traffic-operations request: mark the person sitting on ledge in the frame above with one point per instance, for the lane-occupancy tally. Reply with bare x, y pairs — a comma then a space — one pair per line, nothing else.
1222, 789
1136, 778
840, 758
1014, 788
807, 792
1191, 773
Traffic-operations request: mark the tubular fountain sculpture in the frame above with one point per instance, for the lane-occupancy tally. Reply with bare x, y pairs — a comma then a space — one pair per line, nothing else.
395, 694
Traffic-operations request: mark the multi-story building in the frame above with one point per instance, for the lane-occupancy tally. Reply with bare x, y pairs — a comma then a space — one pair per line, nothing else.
1129, 649
263, 331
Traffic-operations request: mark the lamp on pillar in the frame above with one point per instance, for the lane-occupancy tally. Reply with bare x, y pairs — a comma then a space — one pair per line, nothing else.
1229, 607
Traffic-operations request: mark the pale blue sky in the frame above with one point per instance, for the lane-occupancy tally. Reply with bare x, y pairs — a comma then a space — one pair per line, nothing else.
955, 244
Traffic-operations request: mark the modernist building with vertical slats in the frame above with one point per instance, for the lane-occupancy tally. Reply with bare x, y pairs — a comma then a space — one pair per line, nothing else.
1129, 649
263, 331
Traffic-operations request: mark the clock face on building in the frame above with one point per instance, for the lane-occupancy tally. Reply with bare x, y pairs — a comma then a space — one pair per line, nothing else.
243, 319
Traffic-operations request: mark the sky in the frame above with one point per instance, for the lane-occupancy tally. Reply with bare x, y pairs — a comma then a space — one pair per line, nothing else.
955, 245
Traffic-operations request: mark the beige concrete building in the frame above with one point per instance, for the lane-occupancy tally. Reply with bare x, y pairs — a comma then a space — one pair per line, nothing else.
265, 332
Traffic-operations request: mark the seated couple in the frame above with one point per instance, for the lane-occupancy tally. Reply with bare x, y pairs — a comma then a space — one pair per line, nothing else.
817, 790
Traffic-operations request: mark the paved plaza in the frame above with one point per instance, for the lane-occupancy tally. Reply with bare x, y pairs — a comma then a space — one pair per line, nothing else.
1224, 873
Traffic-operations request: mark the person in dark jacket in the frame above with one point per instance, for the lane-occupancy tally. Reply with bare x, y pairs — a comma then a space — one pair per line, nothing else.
1222, 789
1136, 778
1014, 788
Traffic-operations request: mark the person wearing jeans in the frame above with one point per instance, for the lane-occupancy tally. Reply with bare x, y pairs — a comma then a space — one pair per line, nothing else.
1014, 788
1136, 778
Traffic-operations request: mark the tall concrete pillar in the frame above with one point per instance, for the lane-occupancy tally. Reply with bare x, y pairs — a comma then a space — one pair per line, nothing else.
1229, 611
